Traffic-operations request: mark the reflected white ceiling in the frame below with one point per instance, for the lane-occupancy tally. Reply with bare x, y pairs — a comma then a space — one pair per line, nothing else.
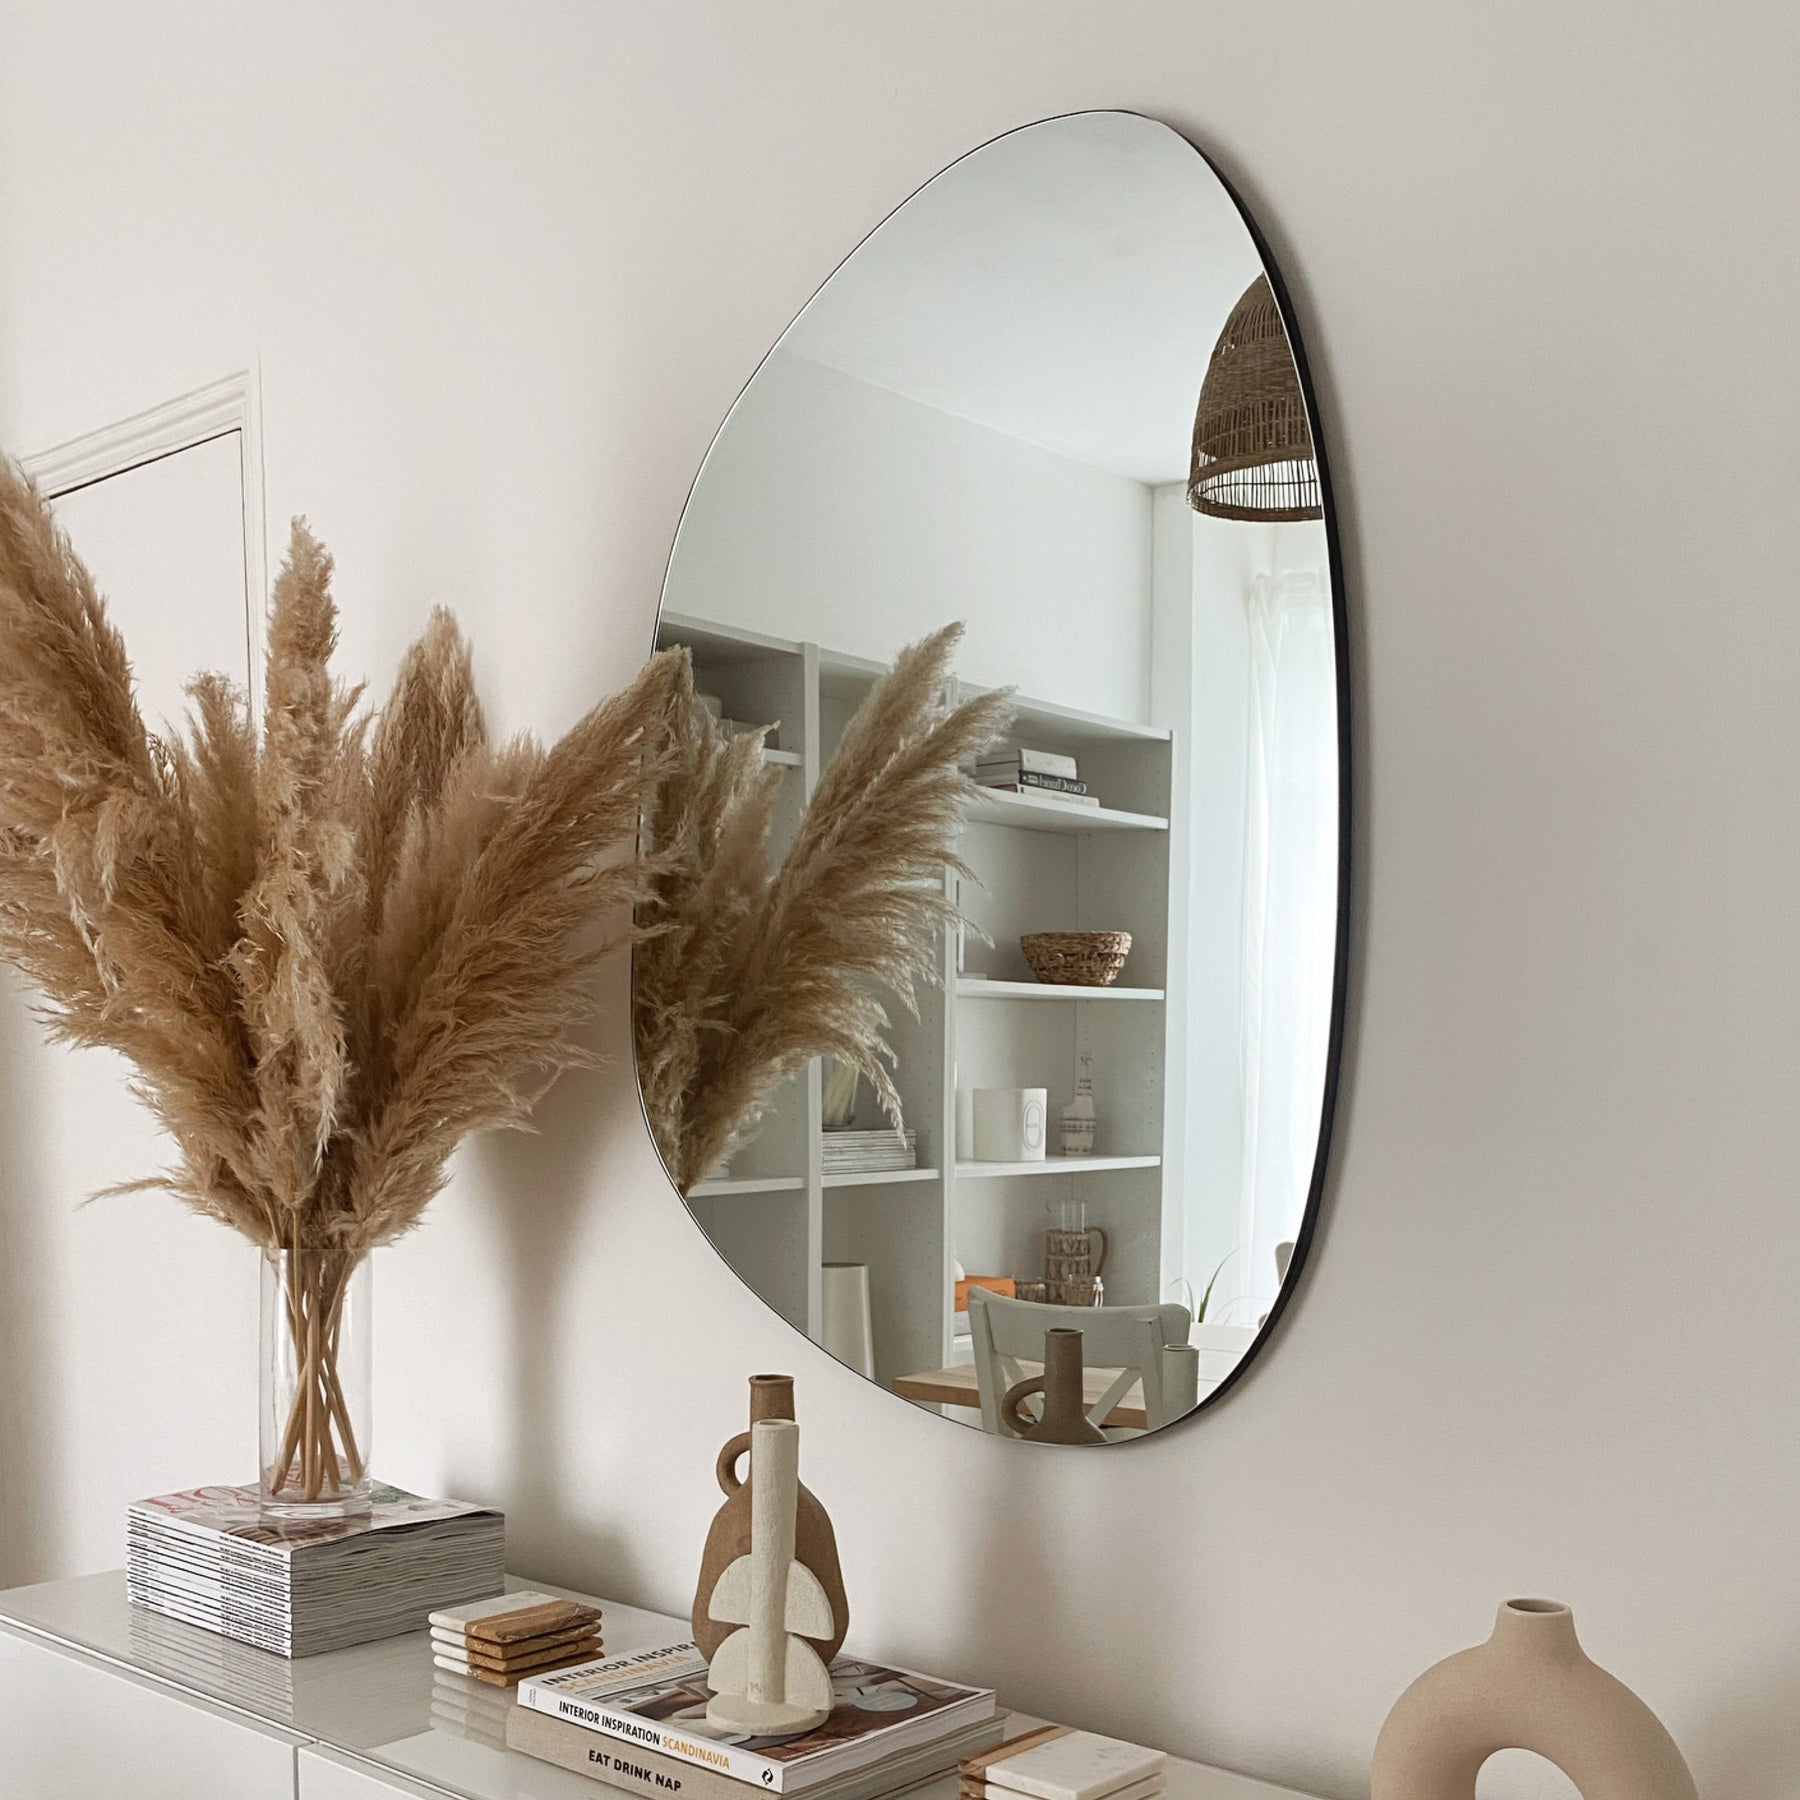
1064, 285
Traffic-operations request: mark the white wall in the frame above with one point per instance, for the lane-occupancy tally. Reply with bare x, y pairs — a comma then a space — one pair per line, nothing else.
165, 542
506, 271
97, 1368
838, 513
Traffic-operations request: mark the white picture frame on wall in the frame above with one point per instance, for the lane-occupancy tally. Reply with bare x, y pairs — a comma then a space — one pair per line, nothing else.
231, 405
79, 1267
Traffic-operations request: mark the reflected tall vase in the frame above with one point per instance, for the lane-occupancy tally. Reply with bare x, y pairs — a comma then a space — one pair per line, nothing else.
1064, 1418
314, 1387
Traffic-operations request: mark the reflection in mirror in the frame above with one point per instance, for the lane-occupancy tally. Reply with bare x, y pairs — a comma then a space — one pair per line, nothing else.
1053, 398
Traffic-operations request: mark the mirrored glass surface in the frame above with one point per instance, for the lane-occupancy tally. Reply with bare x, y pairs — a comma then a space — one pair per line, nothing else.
1055, 398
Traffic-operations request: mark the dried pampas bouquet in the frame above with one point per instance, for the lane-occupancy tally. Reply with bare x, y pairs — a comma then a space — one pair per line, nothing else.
331, 947
741, 975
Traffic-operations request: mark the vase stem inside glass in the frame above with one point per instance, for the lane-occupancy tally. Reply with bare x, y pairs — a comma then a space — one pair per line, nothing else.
315, 1383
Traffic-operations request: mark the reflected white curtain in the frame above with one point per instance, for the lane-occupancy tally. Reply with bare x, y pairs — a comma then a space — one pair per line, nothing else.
1290, 917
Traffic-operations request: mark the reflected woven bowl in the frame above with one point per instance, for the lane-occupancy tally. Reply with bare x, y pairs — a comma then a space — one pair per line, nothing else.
1076, 958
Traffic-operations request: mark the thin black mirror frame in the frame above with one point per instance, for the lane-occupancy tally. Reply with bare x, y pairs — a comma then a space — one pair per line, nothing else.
1334, 1050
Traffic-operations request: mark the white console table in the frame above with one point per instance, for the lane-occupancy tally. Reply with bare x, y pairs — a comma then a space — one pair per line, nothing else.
100, 1701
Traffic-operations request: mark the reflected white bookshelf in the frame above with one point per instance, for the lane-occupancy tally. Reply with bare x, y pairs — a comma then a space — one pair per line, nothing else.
1033, 812
749, 1184
880, 1177
1054, 1165
1041, 864
978, 987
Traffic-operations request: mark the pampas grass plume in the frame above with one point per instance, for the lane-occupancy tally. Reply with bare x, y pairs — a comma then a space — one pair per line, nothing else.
330, 947
744, 974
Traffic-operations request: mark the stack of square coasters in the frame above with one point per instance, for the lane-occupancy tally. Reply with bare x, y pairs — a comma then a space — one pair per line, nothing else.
496, 1641
1055, 1763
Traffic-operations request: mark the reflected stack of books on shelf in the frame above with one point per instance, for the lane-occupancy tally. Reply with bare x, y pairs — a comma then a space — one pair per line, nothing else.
639, 1722
1045, 773
298, 1587
881, 1151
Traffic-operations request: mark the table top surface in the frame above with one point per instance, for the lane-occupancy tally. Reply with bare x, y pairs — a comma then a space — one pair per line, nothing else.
960, 1386
386, 1702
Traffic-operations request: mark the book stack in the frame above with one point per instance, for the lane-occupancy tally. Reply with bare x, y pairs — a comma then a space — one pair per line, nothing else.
299, 1587
639, 1722
1046, 773
880, 1151
498, 1641
1055, 1763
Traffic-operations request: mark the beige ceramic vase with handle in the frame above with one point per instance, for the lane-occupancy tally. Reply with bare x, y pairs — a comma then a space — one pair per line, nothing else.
1529, 1687
815, 1543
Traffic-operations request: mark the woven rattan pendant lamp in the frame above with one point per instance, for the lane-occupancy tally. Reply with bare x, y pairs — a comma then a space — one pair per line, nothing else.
1253, 450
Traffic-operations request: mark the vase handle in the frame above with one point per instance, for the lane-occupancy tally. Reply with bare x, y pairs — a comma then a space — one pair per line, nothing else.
728, 1462
1105, 1245
1011, 1414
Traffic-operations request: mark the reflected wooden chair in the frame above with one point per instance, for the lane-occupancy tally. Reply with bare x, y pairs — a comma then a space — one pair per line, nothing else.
1145, 1345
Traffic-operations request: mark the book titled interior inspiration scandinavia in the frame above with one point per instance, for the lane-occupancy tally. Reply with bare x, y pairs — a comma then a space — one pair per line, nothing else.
658, 1698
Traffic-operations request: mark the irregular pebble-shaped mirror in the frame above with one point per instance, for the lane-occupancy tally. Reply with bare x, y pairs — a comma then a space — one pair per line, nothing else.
1057, 397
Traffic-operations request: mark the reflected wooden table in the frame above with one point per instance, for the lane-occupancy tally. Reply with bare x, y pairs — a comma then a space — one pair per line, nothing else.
958, 1387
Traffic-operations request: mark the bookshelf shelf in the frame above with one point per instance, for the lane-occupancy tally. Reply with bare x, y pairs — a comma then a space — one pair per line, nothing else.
975, 987
1041, 864
748, 1184
1029, 812
1054, 1165
880, 1177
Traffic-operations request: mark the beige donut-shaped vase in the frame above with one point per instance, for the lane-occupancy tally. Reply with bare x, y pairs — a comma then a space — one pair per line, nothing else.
1529, 1687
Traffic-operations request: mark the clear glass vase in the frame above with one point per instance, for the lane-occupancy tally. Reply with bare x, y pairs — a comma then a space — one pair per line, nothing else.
315, 1384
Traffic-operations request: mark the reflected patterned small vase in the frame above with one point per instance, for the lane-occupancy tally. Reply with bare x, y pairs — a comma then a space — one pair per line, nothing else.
1078, 1122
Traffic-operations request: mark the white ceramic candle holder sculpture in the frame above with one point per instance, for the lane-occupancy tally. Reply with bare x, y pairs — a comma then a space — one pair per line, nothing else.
766, 1678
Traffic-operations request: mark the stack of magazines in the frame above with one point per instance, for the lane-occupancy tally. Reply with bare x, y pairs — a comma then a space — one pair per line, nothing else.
639, 1722
880, 1151
209, 1558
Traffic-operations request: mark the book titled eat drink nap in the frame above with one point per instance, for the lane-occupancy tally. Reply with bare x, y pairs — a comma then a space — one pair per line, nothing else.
622, 1764
657, 1700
